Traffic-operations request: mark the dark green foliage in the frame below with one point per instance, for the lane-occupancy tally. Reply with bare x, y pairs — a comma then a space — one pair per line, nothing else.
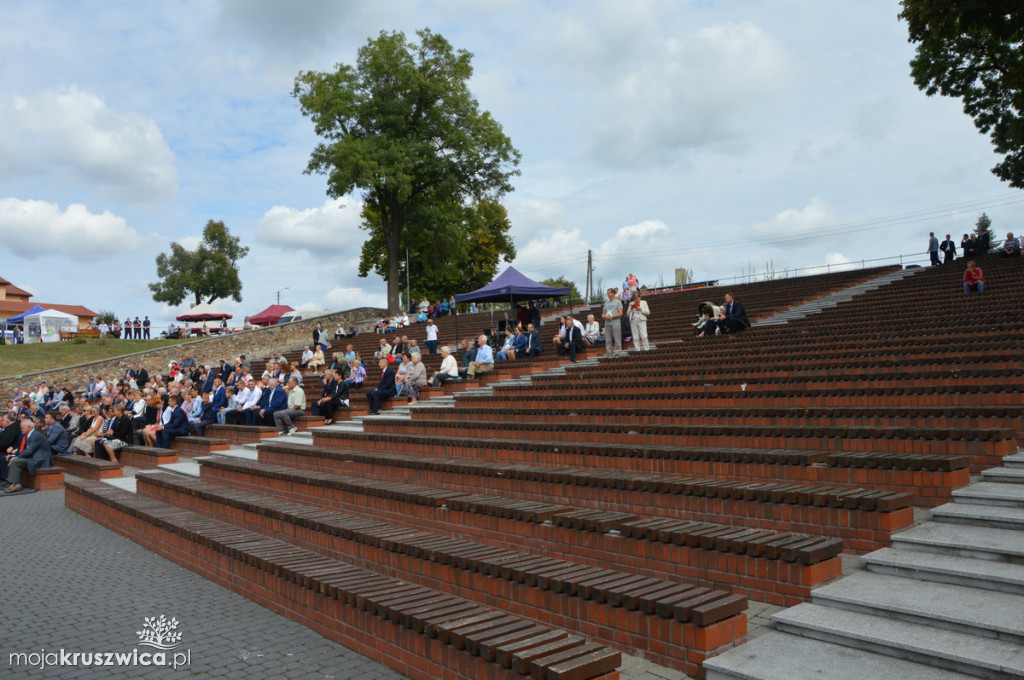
972, 50
208, 273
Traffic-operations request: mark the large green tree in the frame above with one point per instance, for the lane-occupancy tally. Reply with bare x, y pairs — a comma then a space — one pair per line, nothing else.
208, 273
402, 128
456, 247
972, 50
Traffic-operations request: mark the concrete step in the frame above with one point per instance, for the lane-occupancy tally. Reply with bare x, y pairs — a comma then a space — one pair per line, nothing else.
188, 468
779, 656
239, 452
921, 643
126, 483
1015, 460
995, 516
1004, 475
991, 493
986, 543
960, 609
963, 571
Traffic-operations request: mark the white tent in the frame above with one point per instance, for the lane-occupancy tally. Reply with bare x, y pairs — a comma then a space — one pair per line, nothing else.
48, 325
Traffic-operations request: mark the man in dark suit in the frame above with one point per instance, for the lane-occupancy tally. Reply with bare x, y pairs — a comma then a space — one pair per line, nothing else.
733, 318
533, 347
572, 341
385, 388
208, 377
334, 394
56, 436
141, 376
10, 433
177, 426
276, 400
32, 452
225, 370
218, 395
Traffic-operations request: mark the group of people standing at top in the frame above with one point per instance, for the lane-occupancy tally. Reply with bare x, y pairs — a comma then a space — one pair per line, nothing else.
971, 245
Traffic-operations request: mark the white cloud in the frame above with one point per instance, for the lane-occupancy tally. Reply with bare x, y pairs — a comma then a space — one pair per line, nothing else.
33, 229
350, 298
334, 226
794, 224
190, 242
72, 134
685, 93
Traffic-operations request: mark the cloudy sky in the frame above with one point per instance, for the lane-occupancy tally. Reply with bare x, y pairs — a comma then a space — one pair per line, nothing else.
727, 137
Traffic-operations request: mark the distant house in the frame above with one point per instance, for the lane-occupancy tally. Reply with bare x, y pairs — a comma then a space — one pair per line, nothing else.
14, 301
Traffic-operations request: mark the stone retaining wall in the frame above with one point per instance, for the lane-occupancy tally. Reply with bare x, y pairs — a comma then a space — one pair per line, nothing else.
253, 344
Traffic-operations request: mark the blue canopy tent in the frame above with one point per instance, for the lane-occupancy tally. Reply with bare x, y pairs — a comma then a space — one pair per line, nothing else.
21, 317
513, 286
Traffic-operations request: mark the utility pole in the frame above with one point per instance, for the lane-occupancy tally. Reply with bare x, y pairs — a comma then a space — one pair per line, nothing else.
590, 275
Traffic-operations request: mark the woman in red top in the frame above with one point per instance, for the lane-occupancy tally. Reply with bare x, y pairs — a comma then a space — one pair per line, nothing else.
973, 278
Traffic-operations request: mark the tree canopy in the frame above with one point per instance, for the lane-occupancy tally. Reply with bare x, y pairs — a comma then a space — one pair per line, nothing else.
208, 273
972, 50
455, 249
402, 128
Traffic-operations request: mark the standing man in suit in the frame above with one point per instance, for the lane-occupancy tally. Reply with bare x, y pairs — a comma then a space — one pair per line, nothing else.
177, 426
31, 453
145, 328
225, 370
733, 318
948, 248
385, 388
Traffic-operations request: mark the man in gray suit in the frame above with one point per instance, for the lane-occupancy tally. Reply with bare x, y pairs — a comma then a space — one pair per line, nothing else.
33, 451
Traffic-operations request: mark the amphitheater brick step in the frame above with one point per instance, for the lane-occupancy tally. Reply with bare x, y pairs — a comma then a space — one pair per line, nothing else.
991, 493
964, 571
947, 594
359, 608
997, 517
967, 540
788, 657
938, 647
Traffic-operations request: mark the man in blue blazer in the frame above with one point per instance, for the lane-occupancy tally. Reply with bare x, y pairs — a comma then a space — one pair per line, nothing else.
219, 396
31, 452
208, 381
177, 426
277, 400
385, 388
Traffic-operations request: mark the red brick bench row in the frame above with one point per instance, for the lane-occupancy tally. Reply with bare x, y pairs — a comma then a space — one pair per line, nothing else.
573, 593
341, 600
595, 539
863, 519
927, 487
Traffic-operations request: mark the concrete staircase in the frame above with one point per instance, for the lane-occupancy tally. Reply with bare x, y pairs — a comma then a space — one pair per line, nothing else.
829, 301
946, 600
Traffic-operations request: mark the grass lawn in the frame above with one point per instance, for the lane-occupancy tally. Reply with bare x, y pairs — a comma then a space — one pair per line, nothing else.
18, 360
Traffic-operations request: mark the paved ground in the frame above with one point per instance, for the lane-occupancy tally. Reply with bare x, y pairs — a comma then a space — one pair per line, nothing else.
84, 588
96, 588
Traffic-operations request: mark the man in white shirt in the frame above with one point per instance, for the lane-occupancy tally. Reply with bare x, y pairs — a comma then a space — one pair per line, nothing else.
251, 410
